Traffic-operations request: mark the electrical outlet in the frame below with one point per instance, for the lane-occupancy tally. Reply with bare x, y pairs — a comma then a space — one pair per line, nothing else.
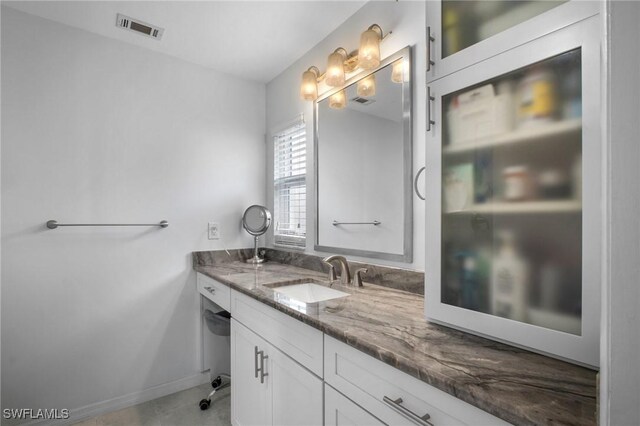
214, 231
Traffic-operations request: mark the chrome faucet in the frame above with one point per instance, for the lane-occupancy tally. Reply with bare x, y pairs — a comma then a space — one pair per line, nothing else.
345, 275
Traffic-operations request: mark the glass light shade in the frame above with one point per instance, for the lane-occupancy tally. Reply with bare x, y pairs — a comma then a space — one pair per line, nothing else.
397, 73
369, 52
335, 70
309, 87
338, 100
367, 86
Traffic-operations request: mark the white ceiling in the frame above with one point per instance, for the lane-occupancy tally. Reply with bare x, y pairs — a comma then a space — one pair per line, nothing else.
255, 40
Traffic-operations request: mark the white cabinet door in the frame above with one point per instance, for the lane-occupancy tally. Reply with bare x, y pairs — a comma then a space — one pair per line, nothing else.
340, 411
467, 32
512, 254
297, 393
269, 388
250, 399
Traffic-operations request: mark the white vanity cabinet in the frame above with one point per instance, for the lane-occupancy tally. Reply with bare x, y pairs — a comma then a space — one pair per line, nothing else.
341, 411
251, 391
218, 293
515, 255
268, 387
273, 361
463, 33
389, 394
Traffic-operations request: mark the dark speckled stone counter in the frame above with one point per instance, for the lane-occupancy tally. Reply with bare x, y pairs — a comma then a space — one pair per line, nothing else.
516, 385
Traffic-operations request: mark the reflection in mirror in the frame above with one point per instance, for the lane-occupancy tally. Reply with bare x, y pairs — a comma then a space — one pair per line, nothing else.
363, 164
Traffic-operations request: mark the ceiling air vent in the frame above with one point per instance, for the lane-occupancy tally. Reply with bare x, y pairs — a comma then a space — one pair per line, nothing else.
363, 101
138, 26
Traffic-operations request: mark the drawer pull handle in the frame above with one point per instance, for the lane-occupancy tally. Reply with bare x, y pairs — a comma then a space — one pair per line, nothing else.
396, 404
210, 289
260, 369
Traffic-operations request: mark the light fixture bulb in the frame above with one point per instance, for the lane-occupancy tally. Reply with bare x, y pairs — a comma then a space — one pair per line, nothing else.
369, 52
367, 86
338, 100
309, 86
335, 68
397, 72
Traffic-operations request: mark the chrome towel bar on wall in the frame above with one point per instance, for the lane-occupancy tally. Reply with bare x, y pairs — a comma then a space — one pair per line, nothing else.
374, 223
53, 224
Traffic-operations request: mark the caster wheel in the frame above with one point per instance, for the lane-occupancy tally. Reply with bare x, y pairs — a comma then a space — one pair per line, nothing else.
204, 404
216, 382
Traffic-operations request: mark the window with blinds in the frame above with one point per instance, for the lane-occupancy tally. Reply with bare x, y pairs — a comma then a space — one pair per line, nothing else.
290, 186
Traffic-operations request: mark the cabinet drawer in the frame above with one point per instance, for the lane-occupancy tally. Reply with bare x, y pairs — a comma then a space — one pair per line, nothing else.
340, 411
367, 381
218, 293
301, 342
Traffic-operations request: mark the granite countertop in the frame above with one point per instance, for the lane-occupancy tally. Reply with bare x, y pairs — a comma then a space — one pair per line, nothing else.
518, 386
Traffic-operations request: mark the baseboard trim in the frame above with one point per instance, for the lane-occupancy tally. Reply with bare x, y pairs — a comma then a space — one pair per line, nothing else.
120, 402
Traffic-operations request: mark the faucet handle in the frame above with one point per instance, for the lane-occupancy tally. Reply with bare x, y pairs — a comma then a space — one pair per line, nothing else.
357, 279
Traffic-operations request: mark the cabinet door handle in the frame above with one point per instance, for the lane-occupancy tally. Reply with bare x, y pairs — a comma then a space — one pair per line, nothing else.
430, 39
430, 99
255, 361
262, 373
415, 183
396, 404
259, 369
210, 289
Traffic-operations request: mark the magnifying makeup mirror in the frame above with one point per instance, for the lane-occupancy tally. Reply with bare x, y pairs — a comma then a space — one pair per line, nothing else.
256, 221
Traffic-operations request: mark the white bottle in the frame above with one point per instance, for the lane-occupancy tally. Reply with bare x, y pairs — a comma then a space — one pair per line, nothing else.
509, 281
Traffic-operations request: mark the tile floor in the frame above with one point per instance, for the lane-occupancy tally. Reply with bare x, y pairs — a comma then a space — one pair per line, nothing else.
178, 409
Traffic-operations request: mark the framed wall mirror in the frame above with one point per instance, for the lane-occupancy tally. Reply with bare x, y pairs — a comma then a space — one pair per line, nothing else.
363, 164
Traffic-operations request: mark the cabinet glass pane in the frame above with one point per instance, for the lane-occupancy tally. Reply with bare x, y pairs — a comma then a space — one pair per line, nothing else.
465, 22
511, 195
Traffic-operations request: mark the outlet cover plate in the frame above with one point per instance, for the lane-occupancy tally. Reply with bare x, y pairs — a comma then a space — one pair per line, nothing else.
214, 231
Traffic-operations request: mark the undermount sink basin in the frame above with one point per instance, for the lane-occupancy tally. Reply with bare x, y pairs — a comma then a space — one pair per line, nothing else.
309, 292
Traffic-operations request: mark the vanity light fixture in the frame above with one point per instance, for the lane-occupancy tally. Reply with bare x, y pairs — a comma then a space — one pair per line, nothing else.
397, 72
335, 67
309, 88
369, 52
367, 86
338, 100
341, 62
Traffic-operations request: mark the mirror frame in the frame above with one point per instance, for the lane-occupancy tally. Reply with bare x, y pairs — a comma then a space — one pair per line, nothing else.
267, 219
407, 172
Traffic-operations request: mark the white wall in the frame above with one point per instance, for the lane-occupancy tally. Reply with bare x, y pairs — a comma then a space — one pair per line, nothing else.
407, 21
95, 130
620, 353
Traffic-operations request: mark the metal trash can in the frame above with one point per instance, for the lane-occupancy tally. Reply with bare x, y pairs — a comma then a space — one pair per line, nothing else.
217, 350
218, 323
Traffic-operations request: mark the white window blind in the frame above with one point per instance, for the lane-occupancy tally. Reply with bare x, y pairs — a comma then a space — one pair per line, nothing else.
290, 186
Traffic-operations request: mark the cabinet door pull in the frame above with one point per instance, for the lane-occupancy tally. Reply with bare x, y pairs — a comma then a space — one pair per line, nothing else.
396, 404
210, 289
262, 373
430, 39
255, 361
430, 99
415, 183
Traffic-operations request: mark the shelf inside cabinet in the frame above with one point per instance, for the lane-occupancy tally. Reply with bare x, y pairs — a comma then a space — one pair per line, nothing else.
550, 131
524, 207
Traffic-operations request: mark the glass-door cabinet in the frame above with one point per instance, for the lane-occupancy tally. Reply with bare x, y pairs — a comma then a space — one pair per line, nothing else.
514, 196
463, 32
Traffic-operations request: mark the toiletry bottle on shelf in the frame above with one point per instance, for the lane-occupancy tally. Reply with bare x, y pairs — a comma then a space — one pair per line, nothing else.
509, 281
469, 283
